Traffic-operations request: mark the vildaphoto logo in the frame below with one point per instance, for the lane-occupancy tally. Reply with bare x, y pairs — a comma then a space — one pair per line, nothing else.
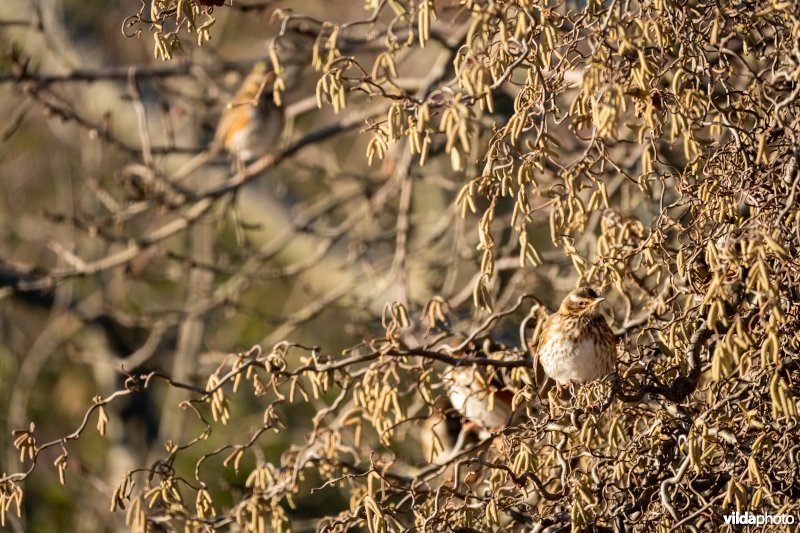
745, 518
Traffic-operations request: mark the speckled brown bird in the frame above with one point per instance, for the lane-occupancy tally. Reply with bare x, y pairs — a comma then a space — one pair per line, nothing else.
482, 401
577, 344
251, 124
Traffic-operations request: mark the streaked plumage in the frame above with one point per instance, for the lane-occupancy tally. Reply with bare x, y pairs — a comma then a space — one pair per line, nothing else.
577, 344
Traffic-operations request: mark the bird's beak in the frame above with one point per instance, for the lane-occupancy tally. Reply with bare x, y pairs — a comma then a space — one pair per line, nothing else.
598, 300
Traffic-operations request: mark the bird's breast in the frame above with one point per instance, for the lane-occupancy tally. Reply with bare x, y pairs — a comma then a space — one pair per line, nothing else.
566, 356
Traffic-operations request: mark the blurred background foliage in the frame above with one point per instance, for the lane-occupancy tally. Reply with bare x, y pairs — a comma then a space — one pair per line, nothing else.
439, 161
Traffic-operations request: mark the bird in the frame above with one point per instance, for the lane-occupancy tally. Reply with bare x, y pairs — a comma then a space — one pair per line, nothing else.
482, 400
251, 124
576, 344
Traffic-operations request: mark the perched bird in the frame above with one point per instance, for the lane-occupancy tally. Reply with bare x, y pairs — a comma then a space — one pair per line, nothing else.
576, 343
481, 400
251, 124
